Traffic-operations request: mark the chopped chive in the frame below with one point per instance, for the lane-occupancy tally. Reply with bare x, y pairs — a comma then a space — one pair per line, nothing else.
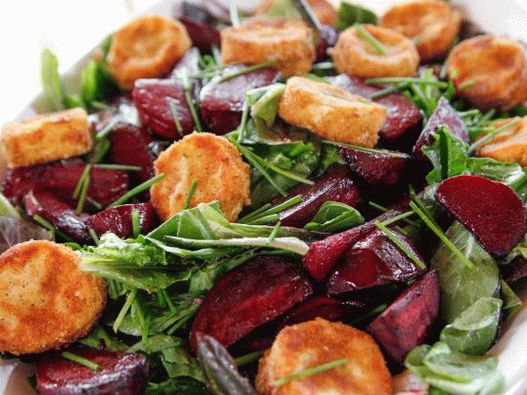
274, 232
136, 225
310, 372
111, 166
370, 39
247, 70
102, 106
137, 190
269, 214
285, 173
265, 220
405, 80
307, 14
248, 358
127, 304
81, 361
174, 108
466, 84
440, 234
384, 92
107, 129
369, 314
216, 54
97, 205
94, 236
234, 15
191, 192
168, 300
398, 218
243, 124
364, 149
400, 244
384, 210
323, 66
444, 70
187, 88
491, 135
83, 192
255, 213
81, 182
53, 229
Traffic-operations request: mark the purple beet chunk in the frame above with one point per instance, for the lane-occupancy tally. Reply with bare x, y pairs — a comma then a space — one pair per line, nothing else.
222, 102
61, 215
324, 255
118, 219
119, 373
201, 26
335, 185
373, 261
130, 146
404, 117
328, 39
153, 99
492, 211
406, 323
188, 66
515, 271
379, 167
444, 114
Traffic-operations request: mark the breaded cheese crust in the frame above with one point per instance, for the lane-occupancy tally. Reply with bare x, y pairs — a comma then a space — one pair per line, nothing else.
353, 55
46, 138
147, 47
216, 166
258, 40
331, 112
46, 301
314, 343
509, 145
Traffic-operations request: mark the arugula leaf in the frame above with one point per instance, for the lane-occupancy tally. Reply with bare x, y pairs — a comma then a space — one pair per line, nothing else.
512, 304
507, 173
476, 328
51, 82
334, 217
98, 338
350, 14
263, 103
96, 82
178, 385
462, 286
448, 155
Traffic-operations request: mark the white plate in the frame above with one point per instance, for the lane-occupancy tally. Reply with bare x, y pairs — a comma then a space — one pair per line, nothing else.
507, 17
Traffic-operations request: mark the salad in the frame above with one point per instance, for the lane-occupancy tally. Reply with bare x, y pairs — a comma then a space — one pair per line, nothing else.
298, 200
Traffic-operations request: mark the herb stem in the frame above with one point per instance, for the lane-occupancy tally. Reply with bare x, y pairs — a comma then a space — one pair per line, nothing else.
174, 108
83, 191
405, 80
136, 225
137, 190
191, 192
94, 236
247, 70
370, 39
401, 245
491, 135
112, 166
187, 88
81, 361
310, 372
234, 15
248, 358
107, 129
127, 304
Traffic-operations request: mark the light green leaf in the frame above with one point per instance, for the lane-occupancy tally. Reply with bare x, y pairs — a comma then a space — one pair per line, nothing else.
350, 14
6, 209
51, 83
334, 217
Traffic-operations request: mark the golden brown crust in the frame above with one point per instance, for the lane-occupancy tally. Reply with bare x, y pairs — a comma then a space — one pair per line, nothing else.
317, 342
331, 112
432, 24
46, 301
489, 71
353, 55
147, 47
258, 40
216, 166
46, 138
323, 9
508, 146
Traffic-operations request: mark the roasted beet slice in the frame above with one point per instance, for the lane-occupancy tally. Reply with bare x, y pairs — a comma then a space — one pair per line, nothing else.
201, 26
328, 39
323, 255
248, 297
119, 374
492, 211
376, 167
373, 261
335, 185
154, 99
62, 216
406, 323
515, 271
130, 146
330, 309
404, 117
444, 114
222, 102
118, 219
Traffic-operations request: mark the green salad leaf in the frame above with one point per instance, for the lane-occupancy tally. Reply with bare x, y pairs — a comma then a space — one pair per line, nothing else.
333, 217
6, 208
51, 82
350, 14
178, 385
448, 155
512, 304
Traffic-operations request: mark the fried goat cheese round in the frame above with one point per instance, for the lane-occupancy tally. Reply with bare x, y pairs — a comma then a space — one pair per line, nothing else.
509, 145
258, 40
489, 72
216, 167
356, 56
147, 47
432, 24
331, 112
318, 342
46, 301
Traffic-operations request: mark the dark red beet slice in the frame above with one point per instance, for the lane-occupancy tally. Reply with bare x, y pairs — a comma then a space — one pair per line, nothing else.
379, 167
328, 308
328, 39
153, 99
335, 185
373, 261
406, 323
444, 114
323, 255
201, 26
404, 117
248, 297
61, 178
62, 216
130, 146
222, 102
492, 211
119, 374
118, 219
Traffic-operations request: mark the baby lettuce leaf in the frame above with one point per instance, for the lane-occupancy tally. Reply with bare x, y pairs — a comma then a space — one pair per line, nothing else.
350, 14
51, 83
6, 208
462, 286
14, 230
475, 330
333, 217
263, 104
507, 173
512, 304
282, 9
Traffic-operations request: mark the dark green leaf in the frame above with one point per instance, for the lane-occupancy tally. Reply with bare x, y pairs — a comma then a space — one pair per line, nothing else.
334, 217
99, 339
179, 385
350, 14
